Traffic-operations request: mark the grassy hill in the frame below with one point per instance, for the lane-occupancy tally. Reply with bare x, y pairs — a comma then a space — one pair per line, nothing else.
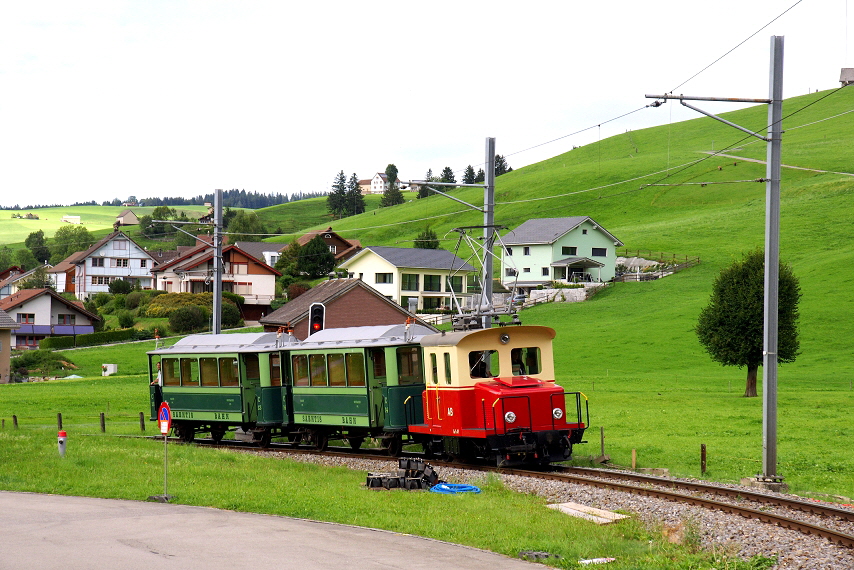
635, 343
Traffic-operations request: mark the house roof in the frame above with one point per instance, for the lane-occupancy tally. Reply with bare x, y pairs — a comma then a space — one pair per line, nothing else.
7, 322
582, 261
258, 248
549, 230
62, 266
124, 212
20, 276
26, 295
355, 245
81, 256
415, 258
192, 259
325, 292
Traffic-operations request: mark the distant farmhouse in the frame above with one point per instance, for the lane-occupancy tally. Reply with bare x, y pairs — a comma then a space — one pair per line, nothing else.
558, 249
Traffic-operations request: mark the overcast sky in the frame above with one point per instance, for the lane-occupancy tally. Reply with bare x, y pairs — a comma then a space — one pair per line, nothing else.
103, 100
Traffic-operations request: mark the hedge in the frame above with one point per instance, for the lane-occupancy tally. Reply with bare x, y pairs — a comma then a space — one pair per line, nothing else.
104, 337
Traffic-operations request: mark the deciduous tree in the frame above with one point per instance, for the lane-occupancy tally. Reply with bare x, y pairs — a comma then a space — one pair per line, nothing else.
731, 327
245, 226
36, 244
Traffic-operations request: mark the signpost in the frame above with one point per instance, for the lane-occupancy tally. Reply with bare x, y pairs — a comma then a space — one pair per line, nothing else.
164, 420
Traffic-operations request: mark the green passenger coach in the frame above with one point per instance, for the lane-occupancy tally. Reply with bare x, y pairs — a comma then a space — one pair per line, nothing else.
349, 384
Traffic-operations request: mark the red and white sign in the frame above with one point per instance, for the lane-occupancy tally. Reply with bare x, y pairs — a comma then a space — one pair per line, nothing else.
164, 418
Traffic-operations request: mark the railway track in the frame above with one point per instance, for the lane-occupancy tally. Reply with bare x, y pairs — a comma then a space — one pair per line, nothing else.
833, 523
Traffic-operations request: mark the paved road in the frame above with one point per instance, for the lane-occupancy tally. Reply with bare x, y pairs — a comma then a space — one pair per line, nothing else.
44, 532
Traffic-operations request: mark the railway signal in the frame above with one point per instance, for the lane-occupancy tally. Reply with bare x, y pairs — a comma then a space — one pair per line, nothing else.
316, 317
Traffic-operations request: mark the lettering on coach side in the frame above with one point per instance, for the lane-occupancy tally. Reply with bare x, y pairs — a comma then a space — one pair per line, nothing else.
348, 420
311, 419
185, 415
221, 416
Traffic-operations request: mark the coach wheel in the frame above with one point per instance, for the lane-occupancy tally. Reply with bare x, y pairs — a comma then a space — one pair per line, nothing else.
356, 442
294, 439
217, 434
185, 433
264, 438
393, 445
318, 440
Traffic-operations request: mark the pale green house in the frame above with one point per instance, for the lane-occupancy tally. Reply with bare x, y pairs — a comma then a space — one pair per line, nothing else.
571, 249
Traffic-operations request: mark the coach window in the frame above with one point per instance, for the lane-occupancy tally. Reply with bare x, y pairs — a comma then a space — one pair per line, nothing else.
253, 370
169, 367
447, 367
228, 372
355, 369
208, 369
189, 372
300, 367
275, 370
317, 369
337, 370
377, 356
434, 369
482, 363
409, 366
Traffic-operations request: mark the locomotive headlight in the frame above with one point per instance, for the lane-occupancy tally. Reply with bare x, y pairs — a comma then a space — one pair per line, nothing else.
509, 417
557, 413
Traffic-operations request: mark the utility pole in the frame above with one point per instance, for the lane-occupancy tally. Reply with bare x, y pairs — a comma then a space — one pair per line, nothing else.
217, 263
769, 478
488, 231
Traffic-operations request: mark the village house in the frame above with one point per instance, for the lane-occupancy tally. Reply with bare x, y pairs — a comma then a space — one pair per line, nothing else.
7, 325
347, 302
430, 277
116, 256
43, 313
558, 249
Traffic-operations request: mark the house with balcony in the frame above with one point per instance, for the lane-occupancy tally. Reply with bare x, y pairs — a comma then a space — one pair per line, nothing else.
431, 278
574, 249
41, 313
7, 325
242, 273
116, 256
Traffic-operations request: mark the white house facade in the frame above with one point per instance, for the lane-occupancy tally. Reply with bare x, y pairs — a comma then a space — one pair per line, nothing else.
431, 277
41, 313
114, 257
558, 249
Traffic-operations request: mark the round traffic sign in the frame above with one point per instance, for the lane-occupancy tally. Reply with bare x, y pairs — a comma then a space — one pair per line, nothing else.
164, 418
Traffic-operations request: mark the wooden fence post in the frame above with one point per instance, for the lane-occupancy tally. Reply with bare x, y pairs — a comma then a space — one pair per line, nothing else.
15, 421
59, 421
103, 423
141, 421
703, 458
634, 459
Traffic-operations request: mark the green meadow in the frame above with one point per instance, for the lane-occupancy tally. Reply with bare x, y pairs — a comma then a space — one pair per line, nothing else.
631, 350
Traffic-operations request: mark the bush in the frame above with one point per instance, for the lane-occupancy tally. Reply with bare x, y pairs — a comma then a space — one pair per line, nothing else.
120, 301
57, 342
276, 304
126, 319
233, 297
164, 305
134, 299
188, 319
39, 362
120, 286
101, 299
231, 315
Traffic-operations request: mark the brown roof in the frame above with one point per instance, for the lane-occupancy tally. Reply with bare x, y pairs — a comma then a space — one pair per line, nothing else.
327, 291
25, 295
20, 276
80, 256
188, 261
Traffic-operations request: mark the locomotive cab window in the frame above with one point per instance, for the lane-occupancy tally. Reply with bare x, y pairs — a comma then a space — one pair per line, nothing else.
409, 366
434, 369
483, 363
447, 367
526, 361
169, 367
